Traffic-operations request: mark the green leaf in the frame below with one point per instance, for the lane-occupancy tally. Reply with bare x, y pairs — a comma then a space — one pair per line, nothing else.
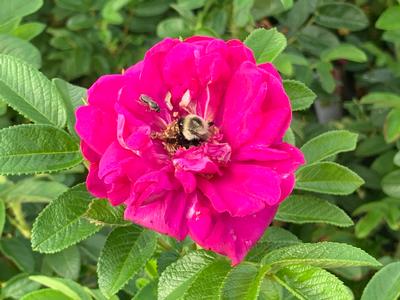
301, 97
28, 31
148, 292
389, 19
18, 250
391, 184
266, 44
329, 144
191, 4
262, 9
371, 146
271, 289
172, 27
73, 5
66, 263
152, 8
97, 295
61, 223
289, 137
10, 25
103, 213
315, 39
66, 286
208, 282
284, 64
324, 70
17, 8
341, 16
328, 178
21, 49
311, 283
287, 3
111, 11
372, 178
76, 95
29, 92
392, 36
243, 282
392, 126
344, 51
309, 209
396, 159
72, 97
33, 190
46, 294
325, 254
385, 163
80, 21
2, 216
177, 277
368, 223
385, 284
298, 15
18, 286
392, 214
126, 251
381, 99
29, 149
241, 12
273, 238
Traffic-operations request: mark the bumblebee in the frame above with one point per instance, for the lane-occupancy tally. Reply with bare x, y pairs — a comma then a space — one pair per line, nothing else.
187, 131
193, 130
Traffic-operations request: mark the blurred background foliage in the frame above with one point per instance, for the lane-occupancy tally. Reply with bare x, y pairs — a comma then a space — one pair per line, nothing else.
347, 52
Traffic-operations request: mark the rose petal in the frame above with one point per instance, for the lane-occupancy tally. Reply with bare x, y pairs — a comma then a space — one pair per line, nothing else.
90, 122
282, 158
179, 69
154, 184
167, 214
93, 183
242, 189
187, 180
89, 153
227, 235
269, 68
245, 95
104, 92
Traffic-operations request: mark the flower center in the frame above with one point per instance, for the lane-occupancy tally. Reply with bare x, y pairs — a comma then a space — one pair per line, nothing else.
190, 130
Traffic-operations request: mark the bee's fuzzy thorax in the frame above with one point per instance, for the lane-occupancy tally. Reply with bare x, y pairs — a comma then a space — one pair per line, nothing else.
194, 128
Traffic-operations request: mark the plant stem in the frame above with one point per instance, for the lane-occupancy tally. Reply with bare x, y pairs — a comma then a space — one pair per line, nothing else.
19, 219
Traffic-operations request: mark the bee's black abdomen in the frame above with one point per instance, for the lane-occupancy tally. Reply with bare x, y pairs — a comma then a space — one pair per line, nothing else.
182, 141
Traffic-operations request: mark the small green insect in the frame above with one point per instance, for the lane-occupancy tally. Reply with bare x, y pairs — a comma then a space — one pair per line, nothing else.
149, 102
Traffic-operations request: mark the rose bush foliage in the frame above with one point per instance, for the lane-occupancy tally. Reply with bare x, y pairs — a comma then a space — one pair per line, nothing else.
65, 239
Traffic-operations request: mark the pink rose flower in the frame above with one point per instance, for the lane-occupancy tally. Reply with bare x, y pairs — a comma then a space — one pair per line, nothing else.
190, 140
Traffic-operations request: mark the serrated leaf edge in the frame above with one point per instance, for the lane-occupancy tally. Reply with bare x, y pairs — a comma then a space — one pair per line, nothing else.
127, 280
64, 113
47, 171
34, 227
